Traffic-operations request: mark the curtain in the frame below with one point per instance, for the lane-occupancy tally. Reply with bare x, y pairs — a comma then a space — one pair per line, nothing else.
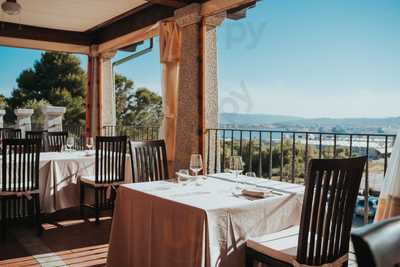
389, 199
170, 47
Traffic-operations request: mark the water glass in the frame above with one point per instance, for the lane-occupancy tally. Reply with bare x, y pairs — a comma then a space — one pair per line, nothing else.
251, 174
235, 166
70, 143
196, 163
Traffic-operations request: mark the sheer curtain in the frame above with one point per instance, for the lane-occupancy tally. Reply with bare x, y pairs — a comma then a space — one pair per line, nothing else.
389, 199
170, 47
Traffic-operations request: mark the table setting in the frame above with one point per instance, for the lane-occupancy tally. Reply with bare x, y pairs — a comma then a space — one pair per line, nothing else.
198, 220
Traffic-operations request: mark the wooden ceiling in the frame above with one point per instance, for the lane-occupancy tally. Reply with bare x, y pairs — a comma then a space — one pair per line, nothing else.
57, 22
84, 22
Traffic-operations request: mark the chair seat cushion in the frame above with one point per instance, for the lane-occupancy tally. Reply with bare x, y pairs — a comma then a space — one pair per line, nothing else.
91, 180
281, 245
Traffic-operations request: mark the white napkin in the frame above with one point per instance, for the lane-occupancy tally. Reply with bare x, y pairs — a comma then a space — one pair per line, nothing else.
256, 192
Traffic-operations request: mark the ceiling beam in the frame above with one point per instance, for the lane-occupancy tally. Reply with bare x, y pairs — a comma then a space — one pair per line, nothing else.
145, 18
13, 30
170, 3
43, 45
214, 7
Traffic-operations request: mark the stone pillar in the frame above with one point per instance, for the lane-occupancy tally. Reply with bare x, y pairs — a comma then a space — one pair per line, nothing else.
188, 115
23, 120
109, 104
2, 113
53, 117
210, 77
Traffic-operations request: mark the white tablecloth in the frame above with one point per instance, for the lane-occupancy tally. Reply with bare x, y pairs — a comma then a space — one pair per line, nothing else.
59, 178
167, 224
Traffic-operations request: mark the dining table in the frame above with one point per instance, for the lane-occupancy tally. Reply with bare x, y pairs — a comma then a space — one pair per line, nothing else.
201, 222
59, 174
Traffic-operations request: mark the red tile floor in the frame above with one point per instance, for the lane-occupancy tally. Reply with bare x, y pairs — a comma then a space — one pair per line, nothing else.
67, 240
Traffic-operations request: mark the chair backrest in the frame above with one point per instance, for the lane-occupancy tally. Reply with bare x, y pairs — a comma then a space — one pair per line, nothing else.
56, 140
149, 160
41, 135
20, 165
9, 133
110, 159
331, 189
378, 244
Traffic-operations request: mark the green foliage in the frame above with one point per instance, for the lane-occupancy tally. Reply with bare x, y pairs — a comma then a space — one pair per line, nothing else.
136, 108
37, 117
280, 154
3, 103
56, 78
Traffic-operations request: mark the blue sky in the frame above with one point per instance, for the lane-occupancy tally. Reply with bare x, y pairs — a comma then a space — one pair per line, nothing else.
310, 58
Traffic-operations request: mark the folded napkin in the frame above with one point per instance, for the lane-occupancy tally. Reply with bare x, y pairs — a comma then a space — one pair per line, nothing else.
256, 192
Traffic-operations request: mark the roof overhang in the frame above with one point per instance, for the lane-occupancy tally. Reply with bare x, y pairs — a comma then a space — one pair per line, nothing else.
127, 27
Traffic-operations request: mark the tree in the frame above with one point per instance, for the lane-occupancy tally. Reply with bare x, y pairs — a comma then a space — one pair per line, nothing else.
136, 108
3, 103
56, 78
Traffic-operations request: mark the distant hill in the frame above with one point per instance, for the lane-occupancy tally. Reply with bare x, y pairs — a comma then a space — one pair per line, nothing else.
255, 119
360, 125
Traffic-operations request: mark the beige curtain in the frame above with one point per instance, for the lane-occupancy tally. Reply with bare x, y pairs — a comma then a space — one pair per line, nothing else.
170, 47
389, 199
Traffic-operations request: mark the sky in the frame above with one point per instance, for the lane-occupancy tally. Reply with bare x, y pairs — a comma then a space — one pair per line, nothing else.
309, 58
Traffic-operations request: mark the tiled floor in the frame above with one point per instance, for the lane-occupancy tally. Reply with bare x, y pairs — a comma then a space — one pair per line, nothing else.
67, 240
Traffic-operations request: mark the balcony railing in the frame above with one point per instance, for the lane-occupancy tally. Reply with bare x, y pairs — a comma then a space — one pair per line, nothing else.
137, 133
284, 155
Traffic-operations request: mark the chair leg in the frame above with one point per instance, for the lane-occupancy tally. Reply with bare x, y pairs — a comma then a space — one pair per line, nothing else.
39, 227
249, 259
96, 205
82, 199
3, 219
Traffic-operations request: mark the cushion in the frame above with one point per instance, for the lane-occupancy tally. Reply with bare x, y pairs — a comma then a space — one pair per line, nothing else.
281, 245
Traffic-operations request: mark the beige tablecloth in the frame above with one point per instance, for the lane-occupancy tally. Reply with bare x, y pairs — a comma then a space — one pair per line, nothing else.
167, 224
59, 178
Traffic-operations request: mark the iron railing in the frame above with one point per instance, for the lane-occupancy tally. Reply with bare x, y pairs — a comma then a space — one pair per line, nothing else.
284, 155
137, 133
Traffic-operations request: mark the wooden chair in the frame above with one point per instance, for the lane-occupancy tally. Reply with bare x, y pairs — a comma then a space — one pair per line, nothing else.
41, 135
109, 173
19, 194
56, 140
378, 244
323, 237
148, 160
9, 133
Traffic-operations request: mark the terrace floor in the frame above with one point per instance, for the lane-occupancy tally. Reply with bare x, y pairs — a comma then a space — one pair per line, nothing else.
67, 240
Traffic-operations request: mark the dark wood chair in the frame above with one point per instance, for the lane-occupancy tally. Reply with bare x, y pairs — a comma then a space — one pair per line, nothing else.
148, 160
9, 133
41, 135
56, 140
378, 244
19, 194
109, 174
323, 237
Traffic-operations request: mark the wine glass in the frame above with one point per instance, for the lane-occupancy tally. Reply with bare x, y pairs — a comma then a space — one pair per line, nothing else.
196, 163
89, 143
70, 142
235, 166
182, 176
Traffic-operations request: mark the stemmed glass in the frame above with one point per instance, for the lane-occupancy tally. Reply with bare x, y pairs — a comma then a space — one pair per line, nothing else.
70, 143
235, 166
196, 163
89, 143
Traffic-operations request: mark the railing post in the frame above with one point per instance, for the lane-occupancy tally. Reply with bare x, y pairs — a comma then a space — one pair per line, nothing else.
53, 118
23, 120
2, 113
